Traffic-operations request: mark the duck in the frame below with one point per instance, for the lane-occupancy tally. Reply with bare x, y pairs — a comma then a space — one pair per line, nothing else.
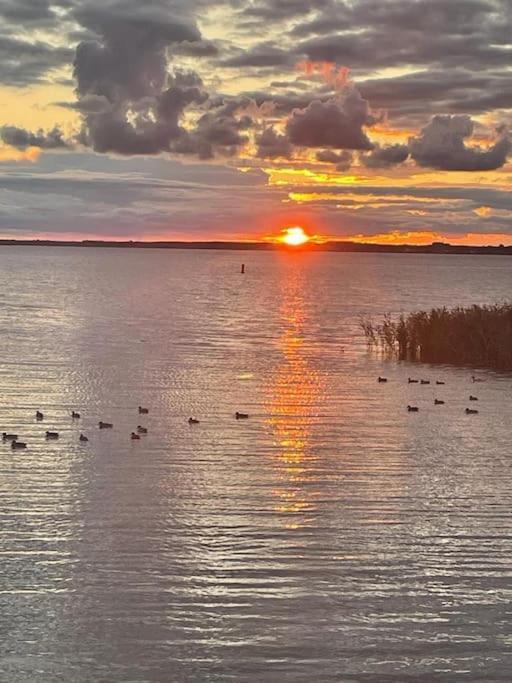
470, 411
413, 409
412, 381
9, 437
135, 437
39, 416
382, 380
241, 416
193, 421
143, 411
440, 382
52, 435
438, 402
476, 379
425, 381
18, 446
83, 438
142, 430
75, 415
473, 398
105, 425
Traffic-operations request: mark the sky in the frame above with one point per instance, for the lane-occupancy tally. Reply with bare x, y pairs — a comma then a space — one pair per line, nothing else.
373, 120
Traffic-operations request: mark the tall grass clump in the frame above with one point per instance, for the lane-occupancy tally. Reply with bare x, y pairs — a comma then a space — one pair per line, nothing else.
478, 335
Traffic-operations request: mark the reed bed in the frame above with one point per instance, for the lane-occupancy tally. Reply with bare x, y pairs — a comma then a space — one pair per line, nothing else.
478, 336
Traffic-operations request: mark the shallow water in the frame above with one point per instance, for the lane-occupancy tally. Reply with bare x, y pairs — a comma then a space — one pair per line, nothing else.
331, 537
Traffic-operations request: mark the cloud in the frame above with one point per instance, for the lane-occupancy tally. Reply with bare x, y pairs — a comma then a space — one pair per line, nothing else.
441, 145
24, 62
337, 123
130, 104
343, 160
273, 145
23, 139
385, 157
262, 55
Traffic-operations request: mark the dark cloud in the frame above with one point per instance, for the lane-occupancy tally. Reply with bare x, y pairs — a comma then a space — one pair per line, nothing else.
263, 55
129, 102
371, 34
282, 10
385, 157
27, 11
197, 48
23, 62
21, 138
272, 145
441, 145
146, 125
342, 160
337, 123
419, 94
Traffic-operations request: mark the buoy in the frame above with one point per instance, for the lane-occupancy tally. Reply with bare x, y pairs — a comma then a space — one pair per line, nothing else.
242, 270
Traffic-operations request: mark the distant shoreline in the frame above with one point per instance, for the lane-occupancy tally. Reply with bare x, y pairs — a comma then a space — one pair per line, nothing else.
332, 246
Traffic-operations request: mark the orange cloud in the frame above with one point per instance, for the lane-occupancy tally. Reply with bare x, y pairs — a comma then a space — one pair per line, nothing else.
427, 237
31, 154
484, 211
337, 76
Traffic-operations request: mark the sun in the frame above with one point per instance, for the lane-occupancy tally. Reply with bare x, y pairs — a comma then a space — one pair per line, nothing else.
294, 236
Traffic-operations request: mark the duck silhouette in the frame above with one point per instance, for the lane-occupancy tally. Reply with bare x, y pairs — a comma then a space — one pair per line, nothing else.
9, 437
83, 438
18, 446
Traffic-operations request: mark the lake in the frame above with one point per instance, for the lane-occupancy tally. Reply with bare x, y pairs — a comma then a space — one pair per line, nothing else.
333, 536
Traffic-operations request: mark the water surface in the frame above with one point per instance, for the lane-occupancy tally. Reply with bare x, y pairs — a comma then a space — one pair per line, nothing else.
331, 537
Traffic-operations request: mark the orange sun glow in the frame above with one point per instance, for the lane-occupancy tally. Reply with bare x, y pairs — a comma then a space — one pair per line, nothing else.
294, 236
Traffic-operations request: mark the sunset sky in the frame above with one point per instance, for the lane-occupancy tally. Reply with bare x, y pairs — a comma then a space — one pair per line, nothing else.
383, 120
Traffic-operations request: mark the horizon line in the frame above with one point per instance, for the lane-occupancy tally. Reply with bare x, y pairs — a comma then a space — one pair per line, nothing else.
324, 245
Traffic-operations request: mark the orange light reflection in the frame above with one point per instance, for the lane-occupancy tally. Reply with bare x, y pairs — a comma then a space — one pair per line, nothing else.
292, 397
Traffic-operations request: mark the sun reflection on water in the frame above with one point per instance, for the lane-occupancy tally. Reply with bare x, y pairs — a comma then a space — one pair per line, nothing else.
292, 399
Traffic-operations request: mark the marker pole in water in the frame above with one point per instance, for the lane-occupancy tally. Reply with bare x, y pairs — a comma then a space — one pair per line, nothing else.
242, 269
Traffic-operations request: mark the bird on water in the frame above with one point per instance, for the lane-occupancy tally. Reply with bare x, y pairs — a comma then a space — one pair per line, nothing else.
9, 437
18, 446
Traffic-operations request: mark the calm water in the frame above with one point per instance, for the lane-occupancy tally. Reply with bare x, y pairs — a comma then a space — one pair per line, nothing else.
332, 537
